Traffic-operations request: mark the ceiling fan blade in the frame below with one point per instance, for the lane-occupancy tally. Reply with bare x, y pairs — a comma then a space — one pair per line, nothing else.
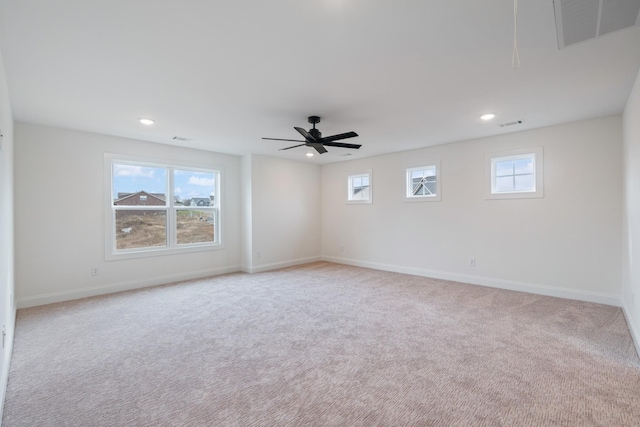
341, 144
278, 139
306, 134
295, 146
319, 148
339, 136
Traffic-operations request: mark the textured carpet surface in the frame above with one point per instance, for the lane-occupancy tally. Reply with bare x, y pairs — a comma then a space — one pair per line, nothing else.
322, 345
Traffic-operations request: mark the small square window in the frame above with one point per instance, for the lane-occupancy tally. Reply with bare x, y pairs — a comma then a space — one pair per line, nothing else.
359, 188
515, 174
422, 183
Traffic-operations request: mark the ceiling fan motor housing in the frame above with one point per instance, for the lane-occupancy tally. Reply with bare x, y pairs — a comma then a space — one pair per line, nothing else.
315, 133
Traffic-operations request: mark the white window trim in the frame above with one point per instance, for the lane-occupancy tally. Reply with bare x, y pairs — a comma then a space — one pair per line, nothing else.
112, 254
490, 160
426, 198
351, 201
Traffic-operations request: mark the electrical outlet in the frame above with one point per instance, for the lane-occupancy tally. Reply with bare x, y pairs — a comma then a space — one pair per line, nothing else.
258, 255
472, 262
341, 248
4, 334
94, 271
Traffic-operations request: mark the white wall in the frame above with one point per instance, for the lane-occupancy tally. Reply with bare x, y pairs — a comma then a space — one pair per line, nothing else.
246, 230
631, 218
59, 223
567, 243
7, 305
285, 213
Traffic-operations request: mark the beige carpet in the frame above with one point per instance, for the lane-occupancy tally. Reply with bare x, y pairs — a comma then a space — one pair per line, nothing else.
323, 345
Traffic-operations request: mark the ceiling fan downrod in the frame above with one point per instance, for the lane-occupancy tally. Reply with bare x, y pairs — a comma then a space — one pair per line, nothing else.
314, 132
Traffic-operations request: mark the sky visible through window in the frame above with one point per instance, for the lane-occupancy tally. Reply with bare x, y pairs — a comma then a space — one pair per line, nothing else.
187, 184
515, 175
360, 182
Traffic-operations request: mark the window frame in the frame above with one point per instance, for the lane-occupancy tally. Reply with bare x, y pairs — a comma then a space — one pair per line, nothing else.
423, 198
170, 207
536, 153
350, 178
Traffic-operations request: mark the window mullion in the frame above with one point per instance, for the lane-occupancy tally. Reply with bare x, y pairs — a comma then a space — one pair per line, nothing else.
171, 214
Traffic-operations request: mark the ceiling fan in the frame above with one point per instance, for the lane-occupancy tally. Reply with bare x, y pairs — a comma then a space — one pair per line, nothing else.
313, 138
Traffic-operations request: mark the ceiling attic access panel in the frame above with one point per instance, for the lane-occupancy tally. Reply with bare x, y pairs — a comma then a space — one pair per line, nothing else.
581, 20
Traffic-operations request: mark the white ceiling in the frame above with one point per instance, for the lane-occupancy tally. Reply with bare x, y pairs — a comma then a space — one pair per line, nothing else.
403, 74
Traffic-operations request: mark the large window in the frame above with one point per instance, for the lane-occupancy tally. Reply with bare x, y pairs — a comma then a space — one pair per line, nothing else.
515, 174
422, 183
156, 208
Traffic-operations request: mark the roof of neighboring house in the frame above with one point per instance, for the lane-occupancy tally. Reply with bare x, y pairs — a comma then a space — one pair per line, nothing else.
158, 195
124, 196
204, 200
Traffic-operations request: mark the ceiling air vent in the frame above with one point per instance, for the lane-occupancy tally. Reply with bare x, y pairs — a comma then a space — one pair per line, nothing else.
517, 122
580, 20
180, 138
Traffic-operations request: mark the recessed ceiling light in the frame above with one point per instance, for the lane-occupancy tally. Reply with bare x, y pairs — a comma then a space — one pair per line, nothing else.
309, 154
147, 122
487, 116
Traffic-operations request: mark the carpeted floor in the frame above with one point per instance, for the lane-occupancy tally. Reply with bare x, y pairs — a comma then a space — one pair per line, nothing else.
322, 345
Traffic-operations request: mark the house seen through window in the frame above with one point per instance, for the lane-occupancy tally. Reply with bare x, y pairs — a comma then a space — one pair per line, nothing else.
422, 182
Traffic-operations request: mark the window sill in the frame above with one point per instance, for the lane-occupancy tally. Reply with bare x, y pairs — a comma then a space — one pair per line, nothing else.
421, 199
153, 252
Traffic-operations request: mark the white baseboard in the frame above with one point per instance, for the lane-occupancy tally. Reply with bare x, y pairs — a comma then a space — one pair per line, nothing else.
274, 266
4, 374
633, 328
54, 297
597, 297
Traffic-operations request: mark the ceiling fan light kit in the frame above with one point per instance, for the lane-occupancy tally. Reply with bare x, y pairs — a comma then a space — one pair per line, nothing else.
313, 138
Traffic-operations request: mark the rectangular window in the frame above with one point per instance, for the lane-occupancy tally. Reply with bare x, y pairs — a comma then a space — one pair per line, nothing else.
359, 188
515, 174
422, 183
155, 209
